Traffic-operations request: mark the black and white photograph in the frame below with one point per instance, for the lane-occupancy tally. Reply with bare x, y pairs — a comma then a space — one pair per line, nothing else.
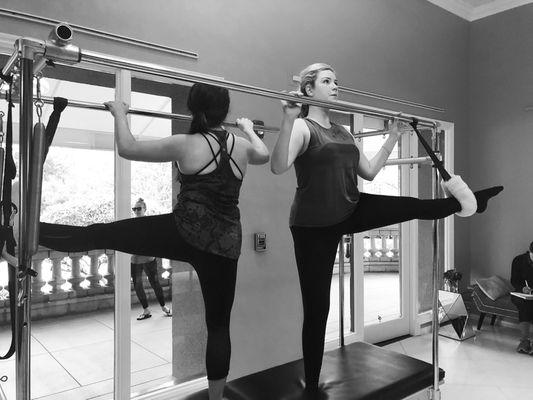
266, 200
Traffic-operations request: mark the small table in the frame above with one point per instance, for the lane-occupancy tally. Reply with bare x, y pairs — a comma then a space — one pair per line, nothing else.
453, 317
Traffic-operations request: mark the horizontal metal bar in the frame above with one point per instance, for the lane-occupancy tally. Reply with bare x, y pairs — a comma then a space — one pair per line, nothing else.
189, 76
361, 135
411, 160
101, 59
383, 97
10, 63
100, 33
148, 113
391, 99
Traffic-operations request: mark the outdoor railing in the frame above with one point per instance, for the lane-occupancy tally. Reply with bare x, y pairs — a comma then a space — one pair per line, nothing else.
75, 282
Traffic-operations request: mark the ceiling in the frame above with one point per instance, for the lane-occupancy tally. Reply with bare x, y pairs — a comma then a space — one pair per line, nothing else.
472, 10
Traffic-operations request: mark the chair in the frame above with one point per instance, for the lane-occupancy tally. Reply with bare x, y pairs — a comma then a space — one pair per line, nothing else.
501, 307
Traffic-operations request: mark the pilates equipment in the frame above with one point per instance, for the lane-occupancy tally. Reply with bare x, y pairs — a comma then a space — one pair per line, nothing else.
358, 371
37, 152
62, 52
28, 59
438, 163
6, 239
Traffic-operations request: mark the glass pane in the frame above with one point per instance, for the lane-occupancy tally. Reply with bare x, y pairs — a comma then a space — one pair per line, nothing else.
151, 337
381, 256
340, 283
425, 234
72, 301
156, 282
72, 297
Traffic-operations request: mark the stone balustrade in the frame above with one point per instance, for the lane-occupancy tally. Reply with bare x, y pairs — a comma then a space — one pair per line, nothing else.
381, 250
77, 282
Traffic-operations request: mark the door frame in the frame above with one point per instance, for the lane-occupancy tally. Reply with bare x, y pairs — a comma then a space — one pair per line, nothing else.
412, 320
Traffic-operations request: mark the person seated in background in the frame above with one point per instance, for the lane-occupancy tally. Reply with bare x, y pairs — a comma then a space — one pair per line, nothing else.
521, 277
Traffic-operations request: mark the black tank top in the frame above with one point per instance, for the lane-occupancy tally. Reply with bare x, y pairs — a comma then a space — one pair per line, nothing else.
326, 175
206, 214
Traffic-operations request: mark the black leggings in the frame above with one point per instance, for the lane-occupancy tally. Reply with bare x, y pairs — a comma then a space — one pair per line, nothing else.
157, 236
316, 248
150, 269
525, 309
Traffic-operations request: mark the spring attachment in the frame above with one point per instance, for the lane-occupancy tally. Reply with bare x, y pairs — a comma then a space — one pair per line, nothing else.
39, 103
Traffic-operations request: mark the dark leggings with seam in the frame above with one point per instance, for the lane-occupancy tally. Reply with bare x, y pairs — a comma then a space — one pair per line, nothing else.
316, 248
157, 236
150, 269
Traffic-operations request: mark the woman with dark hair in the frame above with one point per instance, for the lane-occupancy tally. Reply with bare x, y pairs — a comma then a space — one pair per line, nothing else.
328, 204
204, 228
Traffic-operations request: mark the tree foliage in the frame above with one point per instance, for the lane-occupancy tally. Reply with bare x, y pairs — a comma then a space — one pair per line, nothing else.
78, 186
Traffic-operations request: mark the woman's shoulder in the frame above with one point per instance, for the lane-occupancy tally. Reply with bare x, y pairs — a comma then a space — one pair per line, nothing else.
303, 125
342, 129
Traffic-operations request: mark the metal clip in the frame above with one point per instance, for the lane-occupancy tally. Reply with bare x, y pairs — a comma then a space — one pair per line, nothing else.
39, 103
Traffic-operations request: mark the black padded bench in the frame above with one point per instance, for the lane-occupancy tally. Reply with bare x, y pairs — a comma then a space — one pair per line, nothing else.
502, 307
359, 371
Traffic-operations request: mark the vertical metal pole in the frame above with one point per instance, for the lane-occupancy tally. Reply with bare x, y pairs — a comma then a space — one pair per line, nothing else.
352, 283
435, 322
122, 359
23, 311
352, 256
341, 292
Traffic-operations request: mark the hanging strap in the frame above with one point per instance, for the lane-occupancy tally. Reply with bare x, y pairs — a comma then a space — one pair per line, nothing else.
438, 163
60, 103
6, 231
10, 172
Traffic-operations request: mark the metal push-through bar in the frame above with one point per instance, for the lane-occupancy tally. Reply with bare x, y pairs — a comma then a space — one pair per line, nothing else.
189, 76
407, 161
147, 113
390, 99
183, 117
377, 96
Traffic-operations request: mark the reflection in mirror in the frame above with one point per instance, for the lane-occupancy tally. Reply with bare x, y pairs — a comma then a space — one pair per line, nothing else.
453, 317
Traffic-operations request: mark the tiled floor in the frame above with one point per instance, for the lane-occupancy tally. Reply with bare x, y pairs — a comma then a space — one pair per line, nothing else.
72, 358
376, 305
485, 367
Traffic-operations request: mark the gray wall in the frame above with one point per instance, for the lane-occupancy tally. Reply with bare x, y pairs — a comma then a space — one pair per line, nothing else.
500, 137
409, 49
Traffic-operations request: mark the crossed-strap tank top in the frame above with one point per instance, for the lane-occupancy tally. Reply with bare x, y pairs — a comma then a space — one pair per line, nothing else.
326, 175
207, 214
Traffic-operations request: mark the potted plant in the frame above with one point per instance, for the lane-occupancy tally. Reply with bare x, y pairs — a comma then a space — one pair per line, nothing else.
451, 280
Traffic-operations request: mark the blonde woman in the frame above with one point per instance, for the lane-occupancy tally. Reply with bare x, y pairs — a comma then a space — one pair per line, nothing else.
328, 204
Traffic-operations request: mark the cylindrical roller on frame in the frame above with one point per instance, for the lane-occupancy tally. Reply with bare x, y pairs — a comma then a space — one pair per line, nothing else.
2, 153
35, 185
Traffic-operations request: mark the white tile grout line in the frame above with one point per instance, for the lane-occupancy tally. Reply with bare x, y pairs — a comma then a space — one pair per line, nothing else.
105, 380
149, 351
51, 355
